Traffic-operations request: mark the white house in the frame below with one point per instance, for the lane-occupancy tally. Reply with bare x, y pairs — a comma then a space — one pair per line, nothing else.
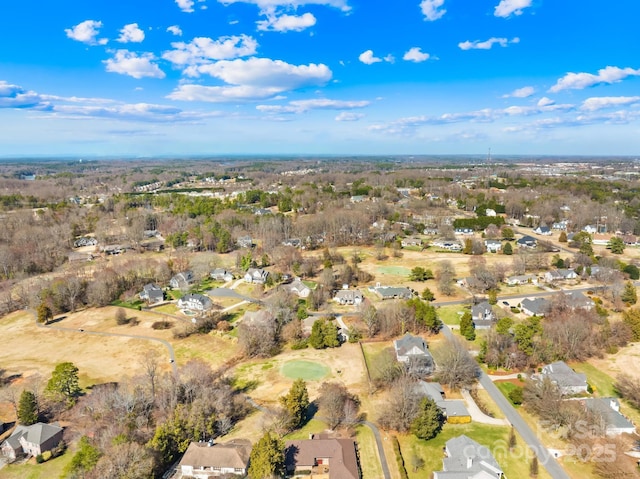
493, 246
256, 276
299, 288
195, 302
204, 460
569, 381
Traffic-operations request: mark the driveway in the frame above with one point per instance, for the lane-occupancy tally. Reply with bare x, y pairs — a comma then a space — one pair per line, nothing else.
476, 413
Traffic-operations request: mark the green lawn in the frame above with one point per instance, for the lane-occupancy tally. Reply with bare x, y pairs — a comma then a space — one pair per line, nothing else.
369, 460
506, 388
395, 270
449, 314
51, 469
312, 427
307, 370
514, 463
601, 383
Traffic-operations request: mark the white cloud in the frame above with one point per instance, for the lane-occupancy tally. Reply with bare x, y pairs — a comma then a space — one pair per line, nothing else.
599, 103
431, 9
349, 116
271, 5
131, 34
487, 44
368, 58
508, 7
415, 55
86, 32
523, 92
175, 29
285, 23
185, 5
134, 65
389, 58
252, 79
204, 50
14, 96
544, 101
578, 81
301, 106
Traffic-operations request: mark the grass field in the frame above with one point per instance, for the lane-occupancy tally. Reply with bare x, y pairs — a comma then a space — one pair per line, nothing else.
450, 314
48, 470
395, 270
506, 387
601, 382
307, 370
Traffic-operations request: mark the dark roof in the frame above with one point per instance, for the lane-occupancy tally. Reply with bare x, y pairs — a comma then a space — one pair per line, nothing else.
537, 306
466, 455
37, 433
408, 342
608, 408
565, 377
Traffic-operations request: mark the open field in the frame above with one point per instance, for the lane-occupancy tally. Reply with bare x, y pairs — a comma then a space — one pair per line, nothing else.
31, 470
307, 370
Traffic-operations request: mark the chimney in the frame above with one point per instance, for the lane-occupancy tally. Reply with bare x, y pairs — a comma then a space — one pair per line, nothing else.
613, 404
469, 462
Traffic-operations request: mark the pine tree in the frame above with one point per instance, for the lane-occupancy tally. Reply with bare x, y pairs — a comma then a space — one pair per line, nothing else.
629, 295
492, 296
563, 237
512, 438
316, 340
44, 313
428, 423
507, 249
467, 329
267, 458
631, 317
27, 408
296, 402
63, 384
533, 467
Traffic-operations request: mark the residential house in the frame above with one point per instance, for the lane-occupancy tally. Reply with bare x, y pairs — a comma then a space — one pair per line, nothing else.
221, 274
448, 245
182, 280
415, 242
482, 315
463, 231
490, 212
262, 212
591, 229
256, 276
560, 274
152, 293
78, 256
493, 246
535, 307
602, 239
348, 296
394, 292
560, 225
577, 300
609, 409
32, 440
299, 288
431, 231
85, 241
204, 460
569, 381
450, 407
260, 317
466, 459
195, 302
542, 230
527, 242
294, 242
412, 352
521, 279
322, 456
245, 242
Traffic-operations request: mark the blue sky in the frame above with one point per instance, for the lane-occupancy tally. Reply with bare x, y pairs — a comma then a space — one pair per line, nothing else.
192, 77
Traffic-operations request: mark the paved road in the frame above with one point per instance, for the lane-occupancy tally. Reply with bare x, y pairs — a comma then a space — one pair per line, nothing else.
172, 356
544, 457
383, 458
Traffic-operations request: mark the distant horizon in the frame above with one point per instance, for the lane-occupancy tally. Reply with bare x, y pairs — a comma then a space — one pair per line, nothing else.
324, 77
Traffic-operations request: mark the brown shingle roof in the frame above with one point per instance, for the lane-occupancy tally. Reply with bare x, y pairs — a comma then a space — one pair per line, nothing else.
341, 453
231, 454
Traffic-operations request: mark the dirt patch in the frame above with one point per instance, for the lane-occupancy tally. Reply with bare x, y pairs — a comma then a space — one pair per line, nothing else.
624, 361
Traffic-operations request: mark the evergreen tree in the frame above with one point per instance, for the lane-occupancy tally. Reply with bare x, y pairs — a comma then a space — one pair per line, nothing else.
616, 245
44, 313
631, 317
467, 329
507, 249
267, 458
633, 271
533, 467
27, 408
629, 295
84, 460
316, 340
492, 296
512, 438
63, 384
330, 334
429, 421
296, 402
428, 295
468, 246
563, 237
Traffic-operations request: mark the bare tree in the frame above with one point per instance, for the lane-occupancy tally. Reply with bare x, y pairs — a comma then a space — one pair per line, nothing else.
455, 366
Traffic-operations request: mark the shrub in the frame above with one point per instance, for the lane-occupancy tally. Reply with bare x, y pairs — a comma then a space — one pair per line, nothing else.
46, 455
162, 325
516, 395
399, 458
301, 344
39, 459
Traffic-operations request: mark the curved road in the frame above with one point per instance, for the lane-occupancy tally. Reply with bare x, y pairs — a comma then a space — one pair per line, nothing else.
544, 457
172, 356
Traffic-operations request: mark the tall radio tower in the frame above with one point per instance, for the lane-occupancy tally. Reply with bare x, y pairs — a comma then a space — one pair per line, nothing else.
489, 156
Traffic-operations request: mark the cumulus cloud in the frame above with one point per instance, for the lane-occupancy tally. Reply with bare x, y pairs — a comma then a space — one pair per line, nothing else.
368, 58
134, 65
544, 101
523, 92
432, 9
203, 50
271, 5
86, 32
285, 23
602, 102
185, 5
487, 44
579, 81
131, 34
506, 8
252, 79
301, 106
416, 55
175, 29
